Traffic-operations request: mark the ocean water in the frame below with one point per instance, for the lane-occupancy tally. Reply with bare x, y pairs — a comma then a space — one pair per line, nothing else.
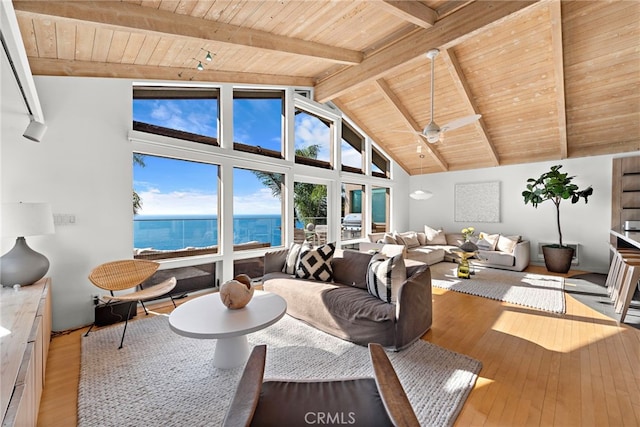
173, 232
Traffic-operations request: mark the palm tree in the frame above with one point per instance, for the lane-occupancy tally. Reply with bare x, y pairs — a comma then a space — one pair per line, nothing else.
310, 200
138, 159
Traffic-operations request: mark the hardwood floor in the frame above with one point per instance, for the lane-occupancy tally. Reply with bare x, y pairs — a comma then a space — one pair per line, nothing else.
575, 369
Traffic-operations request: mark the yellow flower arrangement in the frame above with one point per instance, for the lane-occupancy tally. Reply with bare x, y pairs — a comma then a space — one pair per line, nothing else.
468, 233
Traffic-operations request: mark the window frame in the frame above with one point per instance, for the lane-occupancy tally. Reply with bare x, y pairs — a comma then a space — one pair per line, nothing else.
249, 93
167, 93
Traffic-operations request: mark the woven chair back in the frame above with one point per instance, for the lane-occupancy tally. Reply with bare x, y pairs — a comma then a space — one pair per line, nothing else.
120, 275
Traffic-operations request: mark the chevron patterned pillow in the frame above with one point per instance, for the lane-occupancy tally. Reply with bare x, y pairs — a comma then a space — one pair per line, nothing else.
316, 263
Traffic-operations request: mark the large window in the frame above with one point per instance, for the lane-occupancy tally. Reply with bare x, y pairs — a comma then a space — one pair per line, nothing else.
185, 113
257, 121
310, 210
379, 164
313, 139
176, 197
352, 147
352, 211
175, 206
257, 209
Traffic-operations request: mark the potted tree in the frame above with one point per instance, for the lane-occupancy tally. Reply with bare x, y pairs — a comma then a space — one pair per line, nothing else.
555, 186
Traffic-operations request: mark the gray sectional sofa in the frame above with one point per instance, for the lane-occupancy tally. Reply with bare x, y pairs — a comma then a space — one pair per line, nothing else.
508, 256
344, 308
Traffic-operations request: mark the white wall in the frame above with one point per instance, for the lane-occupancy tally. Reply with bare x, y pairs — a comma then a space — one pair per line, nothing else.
82, 167
586, 224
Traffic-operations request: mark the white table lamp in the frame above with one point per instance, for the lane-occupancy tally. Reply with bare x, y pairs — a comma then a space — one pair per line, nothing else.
22, 265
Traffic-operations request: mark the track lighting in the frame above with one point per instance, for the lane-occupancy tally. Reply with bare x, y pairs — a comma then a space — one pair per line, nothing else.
200, 67
209, 57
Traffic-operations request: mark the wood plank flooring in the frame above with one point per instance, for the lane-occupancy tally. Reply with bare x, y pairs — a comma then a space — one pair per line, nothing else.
576, 369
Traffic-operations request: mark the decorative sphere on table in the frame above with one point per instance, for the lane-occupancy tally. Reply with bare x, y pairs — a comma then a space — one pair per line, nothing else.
236, 293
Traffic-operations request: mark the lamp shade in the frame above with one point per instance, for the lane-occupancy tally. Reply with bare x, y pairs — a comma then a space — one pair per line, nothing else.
26, 219
421, 195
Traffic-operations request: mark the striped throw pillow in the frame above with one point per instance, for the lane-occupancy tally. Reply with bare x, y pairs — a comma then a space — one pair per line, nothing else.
385, 275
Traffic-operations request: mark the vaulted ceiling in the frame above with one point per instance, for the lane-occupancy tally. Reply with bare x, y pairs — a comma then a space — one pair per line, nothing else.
551, 79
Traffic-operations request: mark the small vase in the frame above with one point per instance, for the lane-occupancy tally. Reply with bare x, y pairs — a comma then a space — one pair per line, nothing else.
464, 269
469, 246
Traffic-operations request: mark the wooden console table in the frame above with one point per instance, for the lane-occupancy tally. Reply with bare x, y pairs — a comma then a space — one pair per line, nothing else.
25, 332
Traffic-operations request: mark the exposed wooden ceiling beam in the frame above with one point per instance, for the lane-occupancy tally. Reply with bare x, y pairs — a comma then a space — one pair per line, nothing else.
412, 11
397, 105
558, 72
119, 15
450, 7
460, 82
447, 32
58, 67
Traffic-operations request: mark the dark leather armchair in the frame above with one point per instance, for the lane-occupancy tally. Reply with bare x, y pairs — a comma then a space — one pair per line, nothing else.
377, 401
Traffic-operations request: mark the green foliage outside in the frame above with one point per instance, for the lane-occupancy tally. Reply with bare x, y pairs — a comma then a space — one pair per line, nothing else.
138, 159
309, 200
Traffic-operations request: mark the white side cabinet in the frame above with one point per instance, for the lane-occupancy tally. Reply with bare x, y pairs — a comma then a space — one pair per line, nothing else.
25, 333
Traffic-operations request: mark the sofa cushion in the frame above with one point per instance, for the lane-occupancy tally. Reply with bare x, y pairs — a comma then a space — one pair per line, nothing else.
427, 254
350, 268
291, 260
435, 237
507, 243
496, 258
388, 239
487, 242
385, 275
409, 239
455, 239
354, 305
316, 263
422, 238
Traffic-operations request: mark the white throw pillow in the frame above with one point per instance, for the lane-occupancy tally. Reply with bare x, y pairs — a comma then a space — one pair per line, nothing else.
389, 239
422, 238
435, 237
385, 276
292, 259
507, 243
487, 242
316, 263
409, 239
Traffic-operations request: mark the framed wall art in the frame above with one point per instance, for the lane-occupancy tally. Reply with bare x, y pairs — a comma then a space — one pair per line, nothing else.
477, 202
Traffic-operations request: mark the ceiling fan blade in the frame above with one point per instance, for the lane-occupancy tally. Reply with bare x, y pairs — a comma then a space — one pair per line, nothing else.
458, 123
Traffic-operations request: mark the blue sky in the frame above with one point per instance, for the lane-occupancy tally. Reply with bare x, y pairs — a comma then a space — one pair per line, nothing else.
173, 187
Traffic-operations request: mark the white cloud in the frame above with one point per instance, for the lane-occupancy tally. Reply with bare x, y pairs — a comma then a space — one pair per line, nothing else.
257, 203
310, 131
172, 116
351, 157
155, 202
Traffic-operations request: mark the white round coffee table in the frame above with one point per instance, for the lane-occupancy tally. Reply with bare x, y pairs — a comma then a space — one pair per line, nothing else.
206, 317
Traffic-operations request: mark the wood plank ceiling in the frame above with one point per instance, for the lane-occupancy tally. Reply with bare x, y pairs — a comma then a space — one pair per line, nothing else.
551, 79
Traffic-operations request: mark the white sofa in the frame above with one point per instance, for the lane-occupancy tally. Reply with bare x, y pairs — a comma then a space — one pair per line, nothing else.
511, 252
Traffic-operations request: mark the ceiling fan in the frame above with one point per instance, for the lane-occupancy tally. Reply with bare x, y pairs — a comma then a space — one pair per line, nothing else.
432, 132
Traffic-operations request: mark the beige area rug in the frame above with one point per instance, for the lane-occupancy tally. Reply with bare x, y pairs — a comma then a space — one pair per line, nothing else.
530, 290
162, 379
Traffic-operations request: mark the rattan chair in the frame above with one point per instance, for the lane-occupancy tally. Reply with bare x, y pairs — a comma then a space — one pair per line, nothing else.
377, 401
129, 274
